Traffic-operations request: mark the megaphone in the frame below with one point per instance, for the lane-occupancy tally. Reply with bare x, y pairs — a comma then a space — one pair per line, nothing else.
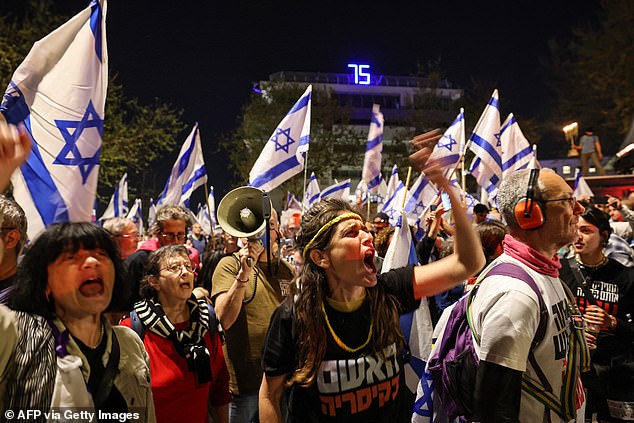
244, 212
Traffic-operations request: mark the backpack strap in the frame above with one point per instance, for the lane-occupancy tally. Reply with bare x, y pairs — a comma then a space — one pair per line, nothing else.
136, 324
542, 391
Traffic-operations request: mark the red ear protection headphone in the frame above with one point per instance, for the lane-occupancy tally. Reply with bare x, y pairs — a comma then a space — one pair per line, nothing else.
528, 211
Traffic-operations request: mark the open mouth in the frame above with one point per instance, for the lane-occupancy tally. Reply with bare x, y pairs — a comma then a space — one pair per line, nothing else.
91, 287
368, 262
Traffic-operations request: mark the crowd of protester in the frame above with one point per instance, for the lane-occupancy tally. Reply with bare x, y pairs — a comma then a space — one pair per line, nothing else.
208, 327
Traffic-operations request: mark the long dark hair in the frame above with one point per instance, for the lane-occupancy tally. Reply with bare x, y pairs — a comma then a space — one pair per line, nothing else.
310, 325
29, 292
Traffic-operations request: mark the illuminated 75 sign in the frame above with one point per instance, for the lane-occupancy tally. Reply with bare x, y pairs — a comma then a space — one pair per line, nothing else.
361, 73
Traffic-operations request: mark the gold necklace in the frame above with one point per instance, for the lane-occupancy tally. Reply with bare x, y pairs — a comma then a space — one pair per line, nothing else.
601, 262
339, 341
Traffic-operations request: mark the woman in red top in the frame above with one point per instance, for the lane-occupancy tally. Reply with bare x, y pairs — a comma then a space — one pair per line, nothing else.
189, 375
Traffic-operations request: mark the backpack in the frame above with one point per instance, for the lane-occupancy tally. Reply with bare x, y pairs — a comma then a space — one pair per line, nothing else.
454, 365
214, 324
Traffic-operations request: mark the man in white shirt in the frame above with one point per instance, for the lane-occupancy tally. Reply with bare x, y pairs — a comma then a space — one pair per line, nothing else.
506, 311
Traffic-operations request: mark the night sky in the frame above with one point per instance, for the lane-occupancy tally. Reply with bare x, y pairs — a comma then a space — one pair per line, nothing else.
203, 56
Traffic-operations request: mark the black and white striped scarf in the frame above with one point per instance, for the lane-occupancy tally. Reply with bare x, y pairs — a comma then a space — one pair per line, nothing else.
190, 342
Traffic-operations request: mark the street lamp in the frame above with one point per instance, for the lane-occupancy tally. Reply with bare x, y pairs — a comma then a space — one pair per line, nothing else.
571, 132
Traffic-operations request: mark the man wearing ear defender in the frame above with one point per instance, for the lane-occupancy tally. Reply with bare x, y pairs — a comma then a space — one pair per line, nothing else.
515, 378
245, 295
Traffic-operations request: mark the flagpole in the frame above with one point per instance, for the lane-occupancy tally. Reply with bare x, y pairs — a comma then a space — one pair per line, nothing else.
305, 171
367, 194
213, 238
409, 174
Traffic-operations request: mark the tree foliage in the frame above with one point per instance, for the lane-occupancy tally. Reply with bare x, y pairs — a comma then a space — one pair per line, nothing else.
135, 135
592, 74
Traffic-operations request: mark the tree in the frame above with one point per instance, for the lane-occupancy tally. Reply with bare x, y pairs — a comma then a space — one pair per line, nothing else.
592, 74
129, 125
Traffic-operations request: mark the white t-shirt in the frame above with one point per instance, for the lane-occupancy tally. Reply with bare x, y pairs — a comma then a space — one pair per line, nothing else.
506, 315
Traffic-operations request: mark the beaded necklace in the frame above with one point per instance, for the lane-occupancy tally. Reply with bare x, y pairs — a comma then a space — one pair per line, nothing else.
338, 340
595, 266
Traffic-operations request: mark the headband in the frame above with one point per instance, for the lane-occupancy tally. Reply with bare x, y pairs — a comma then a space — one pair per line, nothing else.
327, 226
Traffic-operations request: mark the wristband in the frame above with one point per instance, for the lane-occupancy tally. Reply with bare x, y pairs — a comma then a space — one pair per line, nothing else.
243, 282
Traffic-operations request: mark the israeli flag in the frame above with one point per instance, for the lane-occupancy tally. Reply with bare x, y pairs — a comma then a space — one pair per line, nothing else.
312, 192
59, 91
381, 194
340, 190
151, 217
118, 205
188, 172
284, 153
392, 183
292, 202
416, 326
581, 186
487, 147
422, 193
136, 215
371, 173
447, 151
516, 151
202, 217
394, 204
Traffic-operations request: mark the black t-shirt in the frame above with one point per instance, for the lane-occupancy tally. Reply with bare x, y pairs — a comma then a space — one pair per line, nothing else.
349, 387
612, 286
114, 403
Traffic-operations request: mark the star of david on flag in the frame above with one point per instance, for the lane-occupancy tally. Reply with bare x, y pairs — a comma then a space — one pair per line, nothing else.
284, 153
447, 151
371, 173
487, 164
282, 145
59, 91
118, 205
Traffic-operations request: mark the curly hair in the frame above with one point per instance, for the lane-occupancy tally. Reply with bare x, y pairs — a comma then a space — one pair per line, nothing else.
29, 294
310, 324
171, 212
153, 266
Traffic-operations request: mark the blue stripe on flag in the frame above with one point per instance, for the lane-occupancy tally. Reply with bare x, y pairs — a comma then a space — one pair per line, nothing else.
484, 144
301, 103
184, 160
116, 202
374, 181
44, 193
304, 140
510, 162
275, 171
96, 17
494, 102
199, 173
375, 120
373, 143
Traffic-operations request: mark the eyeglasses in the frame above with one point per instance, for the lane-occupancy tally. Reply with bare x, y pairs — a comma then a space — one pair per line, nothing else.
378, 222
571, 200
169, 236
178, 268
